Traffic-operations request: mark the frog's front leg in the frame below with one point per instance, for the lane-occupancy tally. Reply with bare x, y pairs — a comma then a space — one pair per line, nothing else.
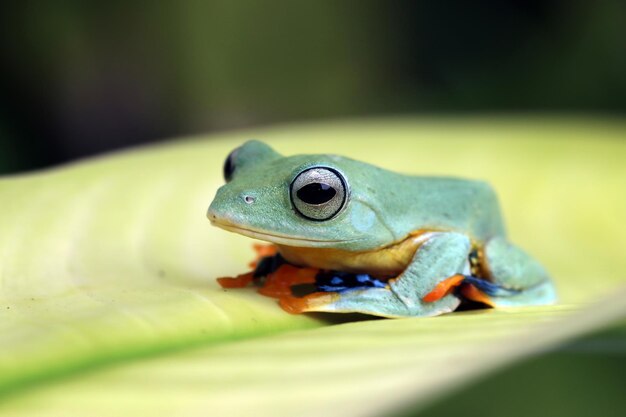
443, 255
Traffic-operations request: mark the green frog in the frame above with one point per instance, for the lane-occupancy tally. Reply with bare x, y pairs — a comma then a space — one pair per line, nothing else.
383, 243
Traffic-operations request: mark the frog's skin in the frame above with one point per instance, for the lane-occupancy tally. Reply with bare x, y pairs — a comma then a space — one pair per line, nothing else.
419, 231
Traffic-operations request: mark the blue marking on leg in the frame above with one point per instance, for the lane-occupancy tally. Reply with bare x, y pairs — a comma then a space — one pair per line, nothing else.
490, 288
336, 281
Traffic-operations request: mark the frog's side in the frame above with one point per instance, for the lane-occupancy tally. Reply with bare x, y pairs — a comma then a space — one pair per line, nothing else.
335, 213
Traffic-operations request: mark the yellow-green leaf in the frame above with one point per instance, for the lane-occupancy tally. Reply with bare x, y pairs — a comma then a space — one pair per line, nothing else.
112, 259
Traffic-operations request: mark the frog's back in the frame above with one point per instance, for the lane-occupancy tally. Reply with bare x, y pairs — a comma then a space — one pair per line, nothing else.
439, 203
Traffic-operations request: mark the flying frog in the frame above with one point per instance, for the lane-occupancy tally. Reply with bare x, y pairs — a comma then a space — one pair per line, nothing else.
368, 240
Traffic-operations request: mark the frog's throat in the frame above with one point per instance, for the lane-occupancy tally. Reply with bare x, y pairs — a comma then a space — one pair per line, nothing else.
388, 261
274, 237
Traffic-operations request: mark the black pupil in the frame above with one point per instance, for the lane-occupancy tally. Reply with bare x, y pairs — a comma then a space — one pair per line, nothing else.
316, 193
229, 168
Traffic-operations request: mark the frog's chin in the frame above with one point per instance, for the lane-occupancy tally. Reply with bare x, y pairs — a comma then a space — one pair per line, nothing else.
277, 238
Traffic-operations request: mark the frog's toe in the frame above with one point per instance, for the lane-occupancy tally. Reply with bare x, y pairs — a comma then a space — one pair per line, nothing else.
472, 293
318, 301
537, 295
240, 281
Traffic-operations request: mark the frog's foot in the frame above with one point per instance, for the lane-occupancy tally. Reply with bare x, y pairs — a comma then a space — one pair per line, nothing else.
497, 295
375, 301
472, 293
470, 288
543, 293
317, 301
520, 279
278, 283
338, 292
240, 281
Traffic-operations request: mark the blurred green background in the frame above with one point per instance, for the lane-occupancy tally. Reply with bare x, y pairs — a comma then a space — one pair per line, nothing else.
79, 78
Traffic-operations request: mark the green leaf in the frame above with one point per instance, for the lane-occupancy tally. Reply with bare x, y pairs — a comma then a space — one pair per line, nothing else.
112, 259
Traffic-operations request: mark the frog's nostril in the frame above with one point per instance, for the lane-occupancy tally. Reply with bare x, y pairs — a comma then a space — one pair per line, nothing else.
249, 199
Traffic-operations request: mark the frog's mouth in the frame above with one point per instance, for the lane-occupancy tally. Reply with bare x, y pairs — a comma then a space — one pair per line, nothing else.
271, 237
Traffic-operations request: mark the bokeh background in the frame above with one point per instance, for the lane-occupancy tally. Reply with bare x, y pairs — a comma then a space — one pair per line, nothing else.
80, 78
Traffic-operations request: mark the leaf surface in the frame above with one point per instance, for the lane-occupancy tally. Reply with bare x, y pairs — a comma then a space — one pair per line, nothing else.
112, 259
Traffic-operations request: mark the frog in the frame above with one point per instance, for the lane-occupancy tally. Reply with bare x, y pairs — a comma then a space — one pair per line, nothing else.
380, 242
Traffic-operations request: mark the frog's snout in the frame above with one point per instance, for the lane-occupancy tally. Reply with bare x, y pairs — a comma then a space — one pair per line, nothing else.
231, 207
218, 220
215, 215
212, 212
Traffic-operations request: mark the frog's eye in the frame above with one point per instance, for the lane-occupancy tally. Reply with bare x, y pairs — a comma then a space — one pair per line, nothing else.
229, 165
319, 193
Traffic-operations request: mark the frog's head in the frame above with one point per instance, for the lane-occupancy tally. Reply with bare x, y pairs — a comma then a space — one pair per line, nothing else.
302, 200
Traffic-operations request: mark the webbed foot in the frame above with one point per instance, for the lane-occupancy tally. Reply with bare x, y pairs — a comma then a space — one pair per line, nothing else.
317, 301
240, 281
278, 283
